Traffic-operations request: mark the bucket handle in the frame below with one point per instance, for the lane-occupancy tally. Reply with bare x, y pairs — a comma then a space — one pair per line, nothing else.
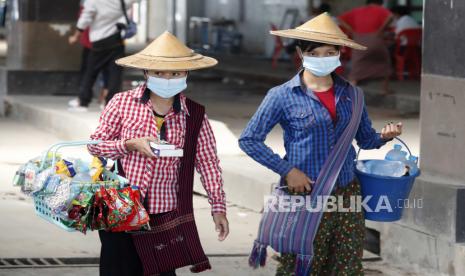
400, 140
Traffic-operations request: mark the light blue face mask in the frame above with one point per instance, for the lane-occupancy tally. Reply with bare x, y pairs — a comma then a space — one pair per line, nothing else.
321, 66
166, 88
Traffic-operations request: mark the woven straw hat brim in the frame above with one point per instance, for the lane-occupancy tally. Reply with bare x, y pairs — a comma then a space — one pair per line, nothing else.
318, 37
141, 61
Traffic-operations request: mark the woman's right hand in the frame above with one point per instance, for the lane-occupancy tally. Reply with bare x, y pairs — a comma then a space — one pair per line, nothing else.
141, 145
74, 38
298, 181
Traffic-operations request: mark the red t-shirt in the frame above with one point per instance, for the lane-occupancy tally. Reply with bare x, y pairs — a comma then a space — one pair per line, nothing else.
366, 19
328, 99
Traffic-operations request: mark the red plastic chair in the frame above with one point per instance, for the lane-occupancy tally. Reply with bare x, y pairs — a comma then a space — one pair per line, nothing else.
278, 47
408, 56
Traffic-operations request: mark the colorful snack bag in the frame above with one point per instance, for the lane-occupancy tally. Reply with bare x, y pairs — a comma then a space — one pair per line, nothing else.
80, 210
30, 173
41, 179
59, 200
52, 184
19, 177
65, 167
97, 167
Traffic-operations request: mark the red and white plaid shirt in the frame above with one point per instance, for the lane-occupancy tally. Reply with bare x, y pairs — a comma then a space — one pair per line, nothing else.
129, 116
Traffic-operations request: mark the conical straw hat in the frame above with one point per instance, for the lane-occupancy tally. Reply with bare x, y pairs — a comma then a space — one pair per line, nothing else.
320, 29
167, 53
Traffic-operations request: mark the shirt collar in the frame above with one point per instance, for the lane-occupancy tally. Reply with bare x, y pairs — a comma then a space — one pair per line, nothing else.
340, 85
142, 94
296, 81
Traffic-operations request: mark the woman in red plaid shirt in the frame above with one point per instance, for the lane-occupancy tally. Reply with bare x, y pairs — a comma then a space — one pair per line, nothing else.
155, 111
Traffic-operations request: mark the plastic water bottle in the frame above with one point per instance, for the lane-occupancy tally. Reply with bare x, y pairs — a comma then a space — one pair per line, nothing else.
396, 154
361, 167
82, 177
386, 168
81, 166
411, 163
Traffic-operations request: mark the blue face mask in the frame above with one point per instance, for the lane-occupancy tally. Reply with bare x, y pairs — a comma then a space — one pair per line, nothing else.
321, 66
166, 88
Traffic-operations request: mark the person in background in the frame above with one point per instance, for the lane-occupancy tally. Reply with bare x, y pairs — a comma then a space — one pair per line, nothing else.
403, 20
103, 84
101, 17
86, 47
367, 25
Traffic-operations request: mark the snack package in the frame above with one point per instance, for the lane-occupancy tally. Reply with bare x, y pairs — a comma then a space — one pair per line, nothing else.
30, 173
80, 210
119, 206
52, 184
65, 167
96, 168
97, 212
19, 178
141, 217
26, 174
41, 179
59, 200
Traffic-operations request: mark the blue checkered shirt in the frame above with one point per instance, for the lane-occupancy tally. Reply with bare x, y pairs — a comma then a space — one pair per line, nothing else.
309, 131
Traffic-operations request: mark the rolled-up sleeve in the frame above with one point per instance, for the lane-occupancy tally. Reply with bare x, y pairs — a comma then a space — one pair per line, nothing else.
108, 132
367, 137
208, 165
252, 140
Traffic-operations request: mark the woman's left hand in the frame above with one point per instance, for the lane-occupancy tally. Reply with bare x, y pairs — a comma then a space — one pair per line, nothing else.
391, 131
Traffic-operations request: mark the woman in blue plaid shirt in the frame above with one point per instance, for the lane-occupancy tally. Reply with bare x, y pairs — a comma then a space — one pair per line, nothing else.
313, 109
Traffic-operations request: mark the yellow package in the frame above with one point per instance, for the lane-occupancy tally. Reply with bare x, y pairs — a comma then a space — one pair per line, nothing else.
97, 167
65, 167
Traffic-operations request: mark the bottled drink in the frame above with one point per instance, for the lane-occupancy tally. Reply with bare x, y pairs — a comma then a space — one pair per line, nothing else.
396, 154
361, 167
386, 168
411, 163
82, 177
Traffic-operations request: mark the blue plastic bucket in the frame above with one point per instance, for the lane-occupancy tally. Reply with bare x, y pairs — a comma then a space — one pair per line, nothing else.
387, 195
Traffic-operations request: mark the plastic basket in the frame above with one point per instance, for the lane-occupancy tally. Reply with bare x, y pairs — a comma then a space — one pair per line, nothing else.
395, 189
43, 210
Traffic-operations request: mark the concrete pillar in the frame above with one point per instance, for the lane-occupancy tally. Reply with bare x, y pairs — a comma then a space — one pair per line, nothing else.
158, 18
180, 12
139, 13
432, 238
173, 16
39, 58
